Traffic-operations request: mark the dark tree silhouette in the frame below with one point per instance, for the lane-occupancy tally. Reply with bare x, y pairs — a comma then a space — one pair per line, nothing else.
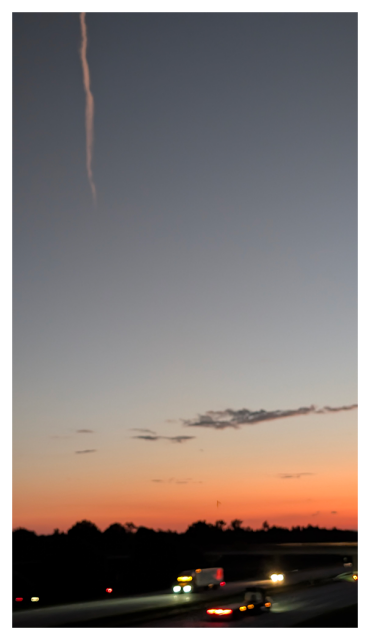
236, 524
84, 530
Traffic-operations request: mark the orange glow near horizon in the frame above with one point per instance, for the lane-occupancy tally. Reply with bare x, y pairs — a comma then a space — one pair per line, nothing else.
310, 480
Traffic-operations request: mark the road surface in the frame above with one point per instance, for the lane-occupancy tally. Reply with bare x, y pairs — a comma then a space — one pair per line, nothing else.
77, 613
288, 609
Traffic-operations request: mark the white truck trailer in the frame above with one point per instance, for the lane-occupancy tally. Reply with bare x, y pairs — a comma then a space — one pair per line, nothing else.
198, 579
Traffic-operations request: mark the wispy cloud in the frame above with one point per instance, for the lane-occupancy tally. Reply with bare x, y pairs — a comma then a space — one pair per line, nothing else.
234, 419
177, 439
283, 476
315, 514
86, 451
89, 111
84, 431
143, 430
334, 512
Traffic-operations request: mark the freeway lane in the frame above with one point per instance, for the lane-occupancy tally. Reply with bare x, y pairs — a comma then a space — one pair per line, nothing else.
288, 609
78, 613
86, 611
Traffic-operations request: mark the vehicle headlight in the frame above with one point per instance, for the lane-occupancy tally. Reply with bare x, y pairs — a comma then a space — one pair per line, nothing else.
187, 588
274, 577
176, 589
277, 577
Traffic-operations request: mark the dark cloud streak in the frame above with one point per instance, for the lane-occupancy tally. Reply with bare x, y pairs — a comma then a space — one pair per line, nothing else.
86, 451
177, 439
234, 419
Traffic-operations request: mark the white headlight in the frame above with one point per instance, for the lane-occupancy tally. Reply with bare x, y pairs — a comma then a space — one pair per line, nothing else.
274, 577
280, 577
187, 588
176, 589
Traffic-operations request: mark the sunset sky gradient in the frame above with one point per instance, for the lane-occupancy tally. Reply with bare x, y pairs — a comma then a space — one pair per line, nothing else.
217, 273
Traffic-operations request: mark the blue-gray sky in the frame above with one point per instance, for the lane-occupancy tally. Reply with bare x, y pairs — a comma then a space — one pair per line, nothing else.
218, 269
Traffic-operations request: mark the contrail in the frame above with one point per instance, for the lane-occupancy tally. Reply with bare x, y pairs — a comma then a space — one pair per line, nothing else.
89, 105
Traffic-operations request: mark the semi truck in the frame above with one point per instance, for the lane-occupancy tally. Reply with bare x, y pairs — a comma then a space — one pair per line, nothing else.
198, 579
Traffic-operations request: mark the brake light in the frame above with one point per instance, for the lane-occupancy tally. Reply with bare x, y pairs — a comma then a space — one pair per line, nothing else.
19, 599
109, 590
222, 584
220, 612
355, 577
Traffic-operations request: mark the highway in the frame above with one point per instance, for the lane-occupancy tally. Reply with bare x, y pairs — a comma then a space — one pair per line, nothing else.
87, 612
288, 609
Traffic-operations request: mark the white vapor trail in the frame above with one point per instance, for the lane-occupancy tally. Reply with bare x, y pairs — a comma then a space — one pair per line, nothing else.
89, 105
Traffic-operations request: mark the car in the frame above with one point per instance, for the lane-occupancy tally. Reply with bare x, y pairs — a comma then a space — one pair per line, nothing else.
255, 601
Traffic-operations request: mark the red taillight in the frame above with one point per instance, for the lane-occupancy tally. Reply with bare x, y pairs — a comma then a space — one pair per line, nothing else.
19, 599
109, 590
219, 612
222, 584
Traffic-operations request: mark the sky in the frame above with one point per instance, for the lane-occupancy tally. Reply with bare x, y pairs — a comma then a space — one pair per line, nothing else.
184, 269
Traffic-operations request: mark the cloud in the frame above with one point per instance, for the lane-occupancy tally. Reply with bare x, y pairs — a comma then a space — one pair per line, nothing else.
351, 406
86, 451
234, 419
177, 439
315, 514
89, 111
334, 512
180, 439
143, 430
84, 431
283, 476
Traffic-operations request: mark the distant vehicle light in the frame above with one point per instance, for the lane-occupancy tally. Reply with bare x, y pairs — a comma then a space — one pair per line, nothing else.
35, 599
251, 606
355, 577
184, 578
267, 604
109, 590
176, 589
242, 608
19, 599
222, 584
198, 570
219, 612
277, 577
187, 588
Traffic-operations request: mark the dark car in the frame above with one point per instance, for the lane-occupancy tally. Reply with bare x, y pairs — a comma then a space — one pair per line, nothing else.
255, 601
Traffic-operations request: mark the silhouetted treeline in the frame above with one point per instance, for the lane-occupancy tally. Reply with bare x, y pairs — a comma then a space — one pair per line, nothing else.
83, 562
